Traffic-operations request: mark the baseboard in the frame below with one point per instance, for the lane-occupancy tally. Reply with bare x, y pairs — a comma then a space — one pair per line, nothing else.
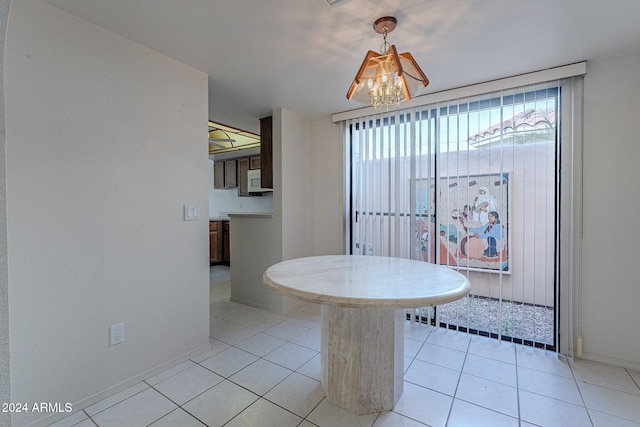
293, 306
612, 361
255, 305
285, 311
93, 399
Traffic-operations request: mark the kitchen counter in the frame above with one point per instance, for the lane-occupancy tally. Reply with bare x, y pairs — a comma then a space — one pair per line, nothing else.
256, 244
251, 215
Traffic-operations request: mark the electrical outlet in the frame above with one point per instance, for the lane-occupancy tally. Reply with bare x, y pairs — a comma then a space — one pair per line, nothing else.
117, 333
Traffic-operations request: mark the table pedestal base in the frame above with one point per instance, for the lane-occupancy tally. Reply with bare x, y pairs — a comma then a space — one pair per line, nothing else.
362, 357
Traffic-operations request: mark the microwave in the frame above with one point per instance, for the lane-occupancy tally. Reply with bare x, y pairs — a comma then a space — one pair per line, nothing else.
253, 182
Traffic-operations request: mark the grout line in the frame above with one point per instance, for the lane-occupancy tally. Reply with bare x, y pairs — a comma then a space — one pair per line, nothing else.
262, 396
455, 392
89, 418
291, 371
518, 389
632, 379
580, 393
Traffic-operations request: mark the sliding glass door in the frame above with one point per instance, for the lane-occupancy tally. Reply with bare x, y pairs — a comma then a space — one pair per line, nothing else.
470, 184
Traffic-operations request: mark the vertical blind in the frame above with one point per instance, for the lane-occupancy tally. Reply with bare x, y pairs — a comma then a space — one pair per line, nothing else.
472, 184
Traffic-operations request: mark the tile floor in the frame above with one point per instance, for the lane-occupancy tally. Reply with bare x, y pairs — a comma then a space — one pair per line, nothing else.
264, 370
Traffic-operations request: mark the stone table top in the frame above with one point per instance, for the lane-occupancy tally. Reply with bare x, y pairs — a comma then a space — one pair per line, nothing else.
366, 281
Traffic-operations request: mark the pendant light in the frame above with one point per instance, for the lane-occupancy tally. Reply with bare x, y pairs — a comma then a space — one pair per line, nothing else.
386, 78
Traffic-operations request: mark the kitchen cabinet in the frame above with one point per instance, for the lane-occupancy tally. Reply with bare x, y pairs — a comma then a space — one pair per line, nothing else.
219, 242
266, 152
215, 239
225, 174
254, 162
244, 165
230, 174
218, 175
226, 251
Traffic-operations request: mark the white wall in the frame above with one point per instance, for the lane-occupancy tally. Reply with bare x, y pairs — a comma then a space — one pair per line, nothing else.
327, 181
297, 212
257, 243
106, 141
5, 396
610, 282
225, 108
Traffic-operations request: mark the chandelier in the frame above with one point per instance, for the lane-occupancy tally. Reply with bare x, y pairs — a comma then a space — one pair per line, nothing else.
382, 77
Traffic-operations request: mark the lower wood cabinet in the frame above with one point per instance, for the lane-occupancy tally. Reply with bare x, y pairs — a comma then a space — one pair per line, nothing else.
219, 252
226, 252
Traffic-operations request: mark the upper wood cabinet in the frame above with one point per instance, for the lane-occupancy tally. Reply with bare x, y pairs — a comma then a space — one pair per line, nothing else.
233, 172
225, 174
266, 152
244, 165
230, 174
218, 175
254, 162
243, 182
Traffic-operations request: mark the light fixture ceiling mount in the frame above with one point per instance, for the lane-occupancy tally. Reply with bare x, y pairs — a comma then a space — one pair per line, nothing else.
386, 24
386, 78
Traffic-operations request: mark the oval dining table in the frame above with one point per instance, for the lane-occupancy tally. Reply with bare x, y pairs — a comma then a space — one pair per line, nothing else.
363, 304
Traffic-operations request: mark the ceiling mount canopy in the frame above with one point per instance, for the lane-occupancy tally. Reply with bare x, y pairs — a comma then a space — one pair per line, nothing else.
386, 78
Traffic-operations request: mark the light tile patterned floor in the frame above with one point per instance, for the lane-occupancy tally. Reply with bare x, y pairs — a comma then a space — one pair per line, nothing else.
264, 370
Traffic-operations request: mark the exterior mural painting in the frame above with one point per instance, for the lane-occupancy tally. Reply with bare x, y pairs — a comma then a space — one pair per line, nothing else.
474, 227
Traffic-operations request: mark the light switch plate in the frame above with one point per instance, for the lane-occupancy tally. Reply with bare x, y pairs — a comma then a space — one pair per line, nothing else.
190, 213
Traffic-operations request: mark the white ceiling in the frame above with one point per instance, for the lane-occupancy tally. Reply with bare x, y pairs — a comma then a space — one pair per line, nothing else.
303, 54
